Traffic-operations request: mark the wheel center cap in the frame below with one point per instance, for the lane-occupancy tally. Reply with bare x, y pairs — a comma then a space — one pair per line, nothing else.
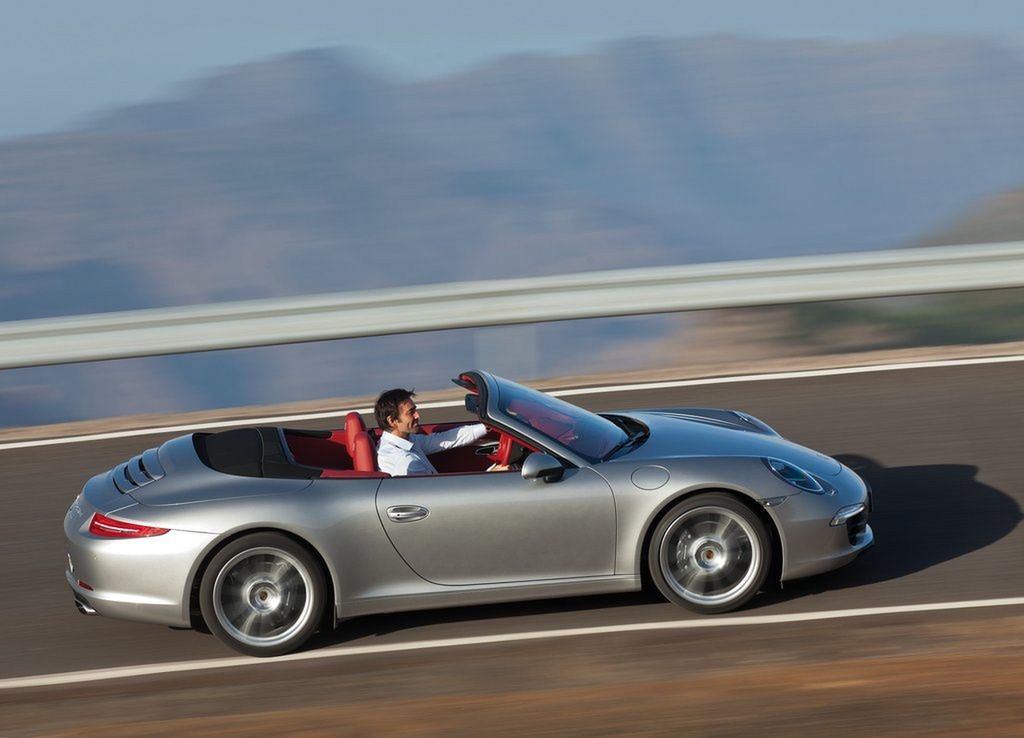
263, 597
708, 554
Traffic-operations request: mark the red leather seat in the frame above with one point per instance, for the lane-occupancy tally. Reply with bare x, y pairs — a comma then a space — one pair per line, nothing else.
363, 457
353, 427
358, 444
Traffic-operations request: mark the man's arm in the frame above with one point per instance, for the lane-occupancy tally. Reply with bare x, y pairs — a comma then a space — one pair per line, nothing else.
461, 436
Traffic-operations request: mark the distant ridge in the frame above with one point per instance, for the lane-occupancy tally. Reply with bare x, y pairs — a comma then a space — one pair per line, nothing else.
997, 218
315, 84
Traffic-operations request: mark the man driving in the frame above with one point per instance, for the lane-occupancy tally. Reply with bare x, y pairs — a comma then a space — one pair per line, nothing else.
402, 450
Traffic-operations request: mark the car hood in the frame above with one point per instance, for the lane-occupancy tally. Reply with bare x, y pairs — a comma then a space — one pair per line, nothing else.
678, 433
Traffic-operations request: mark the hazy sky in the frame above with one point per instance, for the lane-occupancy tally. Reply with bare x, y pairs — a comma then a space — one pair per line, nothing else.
61, 60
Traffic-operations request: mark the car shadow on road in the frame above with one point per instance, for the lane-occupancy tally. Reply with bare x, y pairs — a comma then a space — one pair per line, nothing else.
385, 624
921, 516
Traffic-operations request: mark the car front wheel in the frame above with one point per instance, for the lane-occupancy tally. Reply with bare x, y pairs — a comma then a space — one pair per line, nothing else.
710, 553
262, 594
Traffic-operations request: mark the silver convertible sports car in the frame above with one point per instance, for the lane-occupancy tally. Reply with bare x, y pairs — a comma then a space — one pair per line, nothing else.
266, 534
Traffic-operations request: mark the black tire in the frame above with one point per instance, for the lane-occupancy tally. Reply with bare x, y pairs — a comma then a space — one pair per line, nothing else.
710, 553
263, 594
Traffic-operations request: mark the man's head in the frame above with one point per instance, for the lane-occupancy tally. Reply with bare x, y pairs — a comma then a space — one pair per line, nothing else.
396, 412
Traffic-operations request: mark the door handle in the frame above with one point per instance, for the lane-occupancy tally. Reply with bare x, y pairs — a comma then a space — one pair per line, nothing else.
407, 513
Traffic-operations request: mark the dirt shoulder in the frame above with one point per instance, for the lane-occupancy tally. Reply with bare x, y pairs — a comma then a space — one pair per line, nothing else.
921, 674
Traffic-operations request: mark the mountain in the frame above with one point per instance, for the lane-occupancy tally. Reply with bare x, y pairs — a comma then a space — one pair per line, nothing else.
276, 179
313, 173
746, 148
997, 218
308, 85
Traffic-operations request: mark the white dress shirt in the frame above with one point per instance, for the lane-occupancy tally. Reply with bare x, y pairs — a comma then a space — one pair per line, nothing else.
400, 457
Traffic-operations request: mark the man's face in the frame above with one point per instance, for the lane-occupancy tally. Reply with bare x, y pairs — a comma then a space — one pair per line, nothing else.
408, 420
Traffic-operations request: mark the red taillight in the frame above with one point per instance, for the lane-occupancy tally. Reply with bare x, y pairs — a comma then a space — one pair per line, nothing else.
105, 527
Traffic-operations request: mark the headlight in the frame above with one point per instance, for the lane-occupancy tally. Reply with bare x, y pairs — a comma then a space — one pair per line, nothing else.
794, 475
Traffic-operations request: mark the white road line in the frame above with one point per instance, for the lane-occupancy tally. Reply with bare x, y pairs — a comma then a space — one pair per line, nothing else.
124, 672
277, 419
799, 374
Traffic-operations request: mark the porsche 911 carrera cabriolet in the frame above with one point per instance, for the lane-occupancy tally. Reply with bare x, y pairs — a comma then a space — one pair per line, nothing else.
265, 534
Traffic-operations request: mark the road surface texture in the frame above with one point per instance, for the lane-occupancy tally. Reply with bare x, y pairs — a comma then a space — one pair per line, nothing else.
942, 448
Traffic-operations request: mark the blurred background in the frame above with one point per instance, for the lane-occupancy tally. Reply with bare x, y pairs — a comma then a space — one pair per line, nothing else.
194, 154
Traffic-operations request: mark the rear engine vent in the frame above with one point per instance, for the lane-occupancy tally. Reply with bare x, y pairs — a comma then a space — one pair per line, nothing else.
138, 471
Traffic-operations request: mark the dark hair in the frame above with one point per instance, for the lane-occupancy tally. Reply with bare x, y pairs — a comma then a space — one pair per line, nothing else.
387, 405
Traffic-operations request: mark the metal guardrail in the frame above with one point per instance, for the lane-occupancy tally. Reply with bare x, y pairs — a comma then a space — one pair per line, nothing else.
508, 301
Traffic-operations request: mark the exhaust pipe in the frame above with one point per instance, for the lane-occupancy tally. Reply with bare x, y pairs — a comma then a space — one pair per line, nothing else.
83, 607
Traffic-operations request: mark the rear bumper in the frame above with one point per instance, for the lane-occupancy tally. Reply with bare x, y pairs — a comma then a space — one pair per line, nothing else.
143, 579
165, 602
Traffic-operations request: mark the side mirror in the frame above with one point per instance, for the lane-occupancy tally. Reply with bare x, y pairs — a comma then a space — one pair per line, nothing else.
542, 466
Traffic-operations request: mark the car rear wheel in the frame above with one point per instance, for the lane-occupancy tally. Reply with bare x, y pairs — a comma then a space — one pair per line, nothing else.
710, 553
262, 594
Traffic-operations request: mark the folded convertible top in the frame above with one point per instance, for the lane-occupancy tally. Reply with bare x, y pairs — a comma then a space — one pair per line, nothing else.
251, 452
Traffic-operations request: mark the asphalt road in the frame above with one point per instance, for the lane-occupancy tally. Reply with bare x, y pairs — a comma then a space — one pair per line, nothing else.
941, 447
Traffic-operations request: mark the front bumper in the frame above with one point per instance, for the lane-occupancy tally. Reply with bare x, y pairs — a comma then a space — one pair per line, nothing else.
810, 544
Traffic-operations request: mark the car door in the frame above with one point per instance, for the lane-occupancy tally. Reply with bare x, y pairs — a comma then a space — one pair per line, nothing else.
488, 528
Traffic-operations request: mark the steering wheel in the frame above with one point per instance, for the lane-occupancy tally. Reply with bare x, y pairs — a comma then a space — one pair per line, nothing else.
503, 454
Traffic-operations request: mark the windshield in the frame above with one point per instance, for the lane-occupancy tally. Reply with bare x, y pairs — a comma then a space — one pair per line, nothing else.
585, 434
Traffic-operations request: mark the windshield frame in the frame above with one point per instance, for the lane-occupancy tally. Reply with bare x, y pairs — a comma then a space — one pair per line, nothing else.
564, 452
